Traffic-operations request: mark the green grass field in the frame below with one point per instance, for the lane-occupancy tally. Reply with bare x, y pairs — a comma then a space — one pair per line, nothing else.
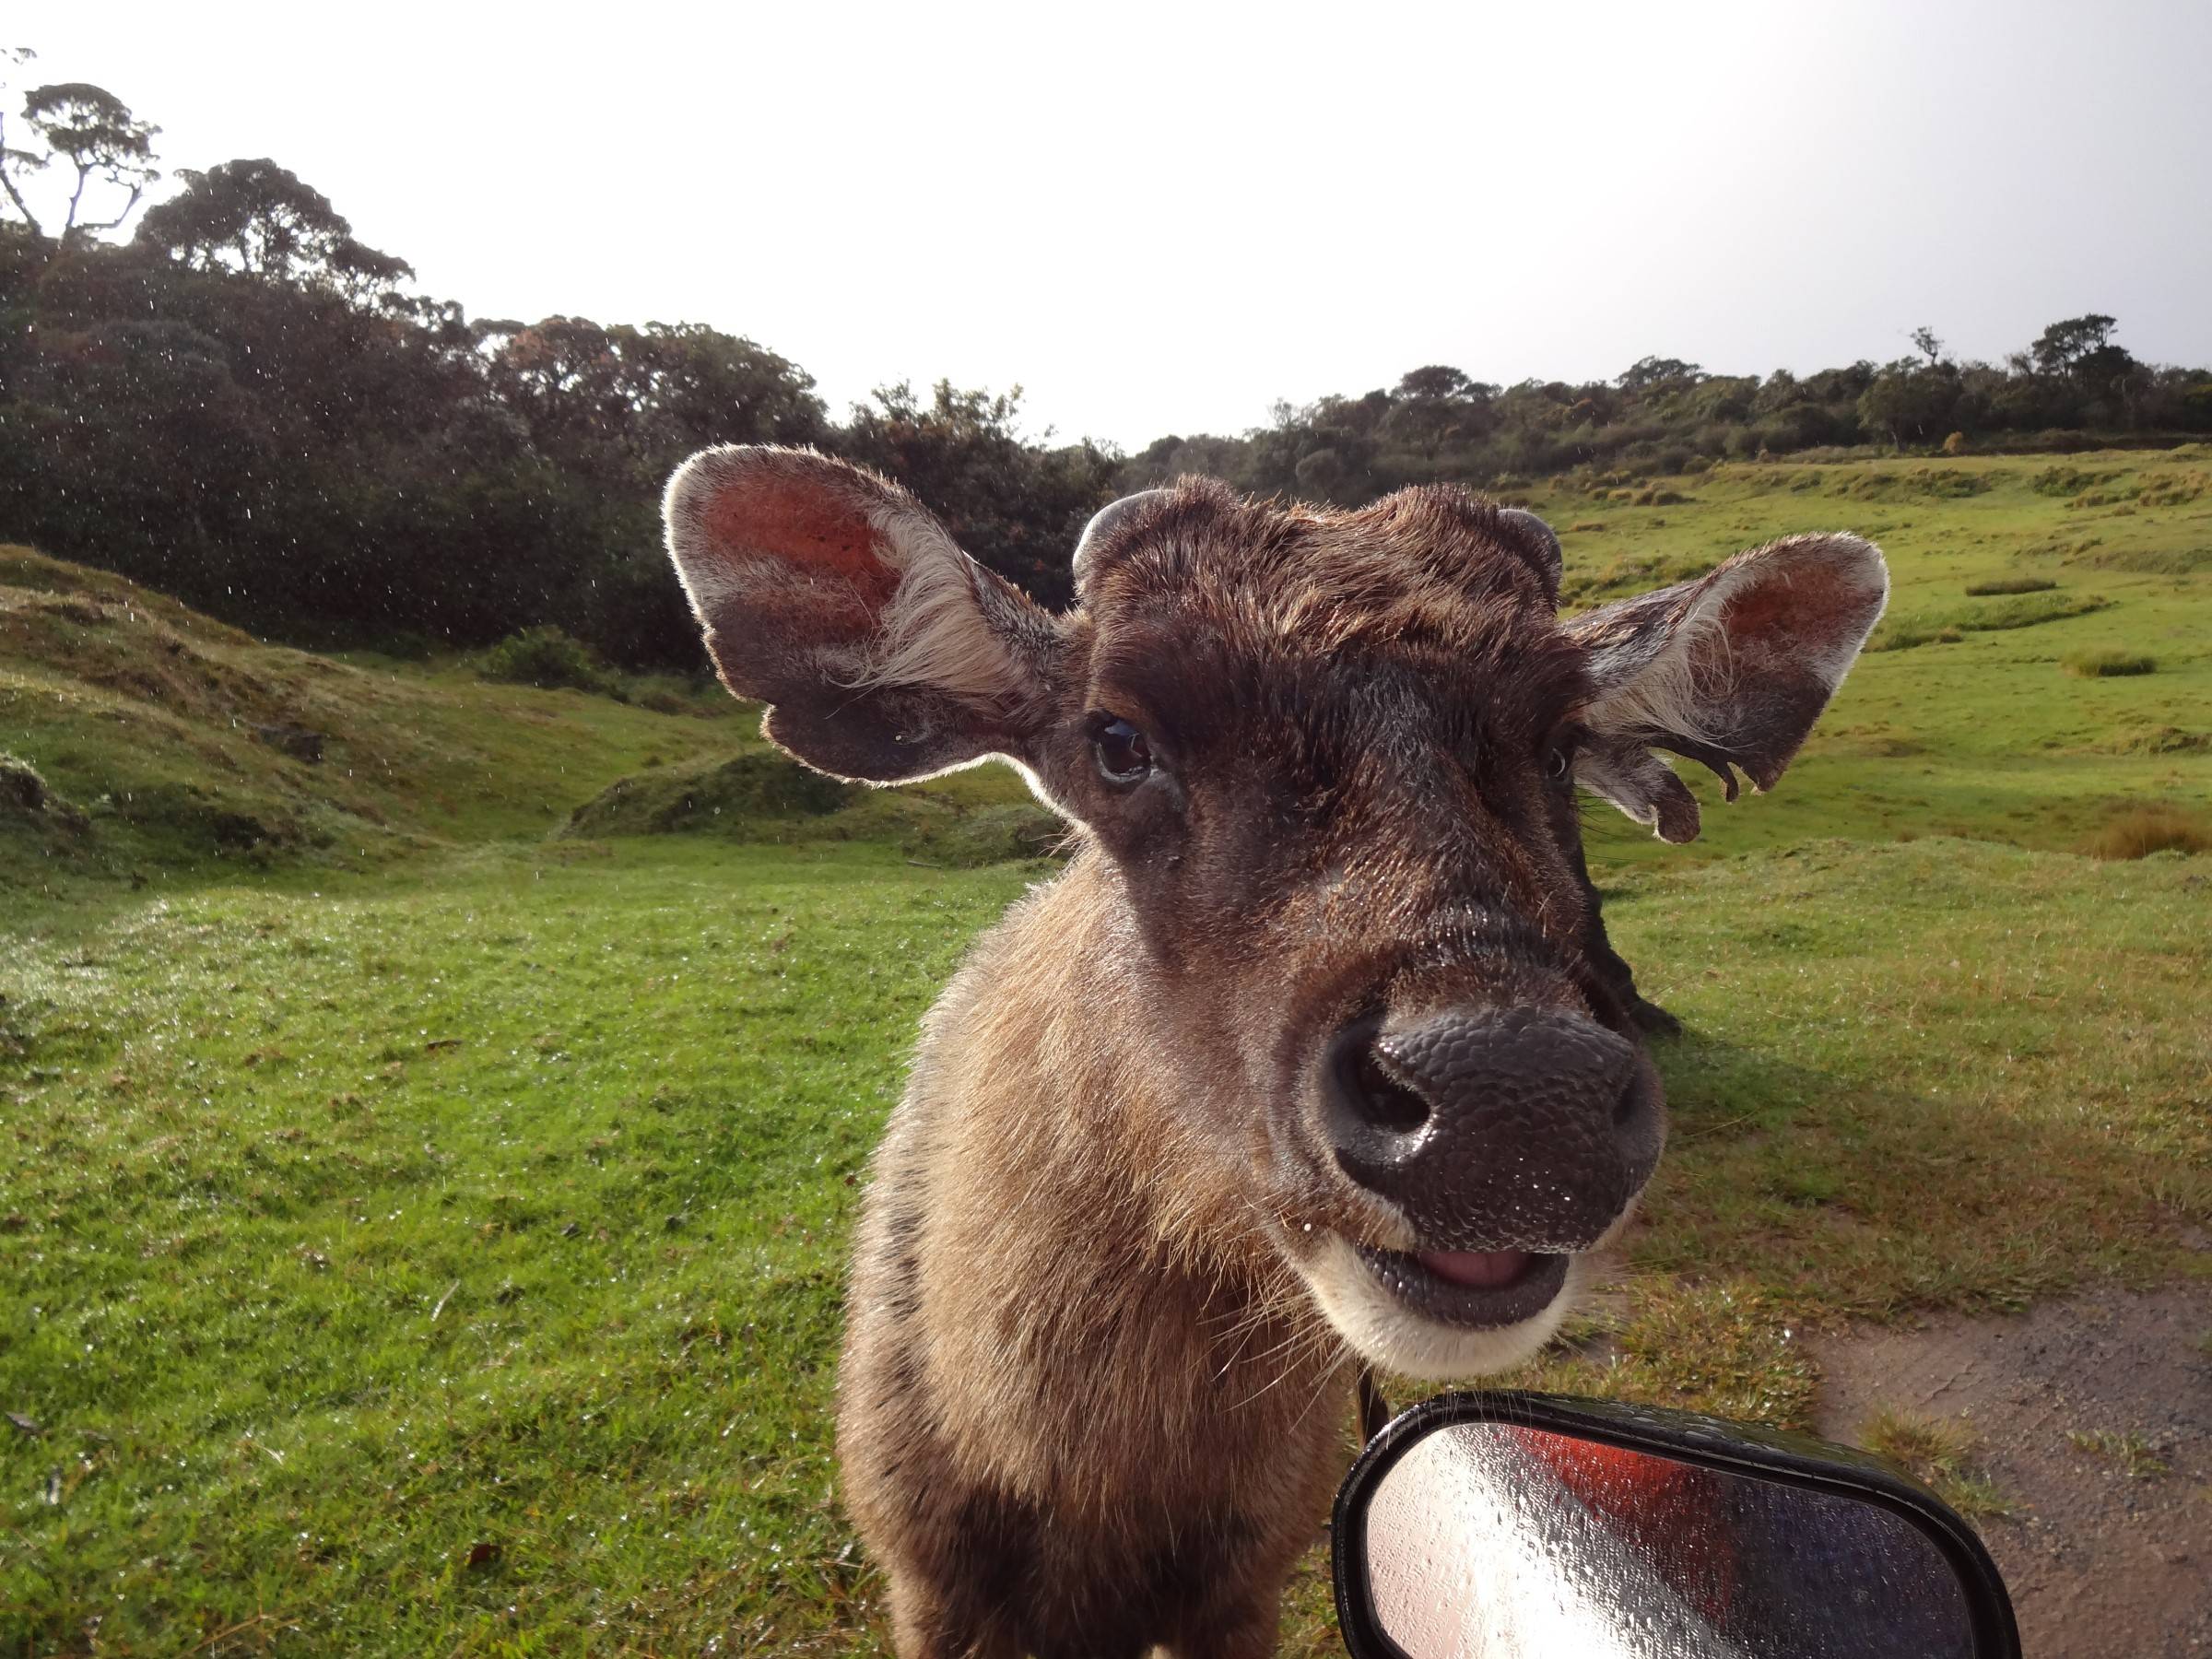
423, 1212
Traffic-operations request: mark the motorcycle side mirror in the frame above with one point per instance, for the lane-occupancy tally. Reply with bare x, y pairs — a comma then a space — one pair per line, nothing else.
1494, 1525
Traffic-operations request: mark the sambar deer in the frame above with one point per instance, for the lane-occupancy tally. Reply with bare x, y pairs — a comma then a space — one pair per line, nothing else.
1307, 1061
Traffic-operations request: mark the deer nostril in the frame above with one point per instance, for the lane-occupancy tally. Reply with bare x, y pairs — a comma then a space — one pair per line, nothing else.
1376, 1098
1381, 1098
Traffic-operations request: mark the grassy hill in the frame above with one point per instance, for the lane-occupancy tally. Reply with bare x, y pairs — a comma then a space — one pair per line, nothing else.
166, 746
425, 1175
167, 732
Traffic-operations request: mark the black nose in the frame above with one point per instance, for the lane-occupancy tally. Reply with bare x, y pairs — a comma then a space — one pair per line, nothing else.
1515, 1129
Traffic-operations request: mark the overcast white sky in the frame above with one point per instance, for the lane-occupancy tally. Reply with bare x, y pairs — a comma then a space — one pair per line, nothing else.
1160, 218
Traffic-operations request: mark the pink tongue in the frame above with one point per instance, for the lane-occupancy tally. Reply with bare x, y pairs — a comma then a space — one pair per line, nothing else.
1477, 1269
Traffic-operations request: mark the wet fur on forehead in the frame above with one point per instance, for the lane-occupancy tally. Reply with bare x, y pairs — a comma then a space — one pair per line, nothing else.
1435, 577
1413, 560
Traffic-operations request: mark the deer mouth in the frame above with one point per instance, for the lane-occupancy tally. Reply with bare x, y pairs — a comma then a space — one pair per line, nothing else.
1476, 1291
1446, 1316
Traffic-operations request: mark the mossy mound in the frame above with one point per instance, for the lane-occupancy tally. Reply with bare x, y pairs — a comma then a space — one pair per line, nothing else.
2148, 561
1910, 484
40, 823
1990, 615
731, 797
971, 837
25, 797
765, 797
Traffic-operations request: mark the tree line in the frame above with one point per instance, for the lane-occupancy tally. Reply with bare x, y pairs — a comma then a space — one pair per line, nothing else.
236, 400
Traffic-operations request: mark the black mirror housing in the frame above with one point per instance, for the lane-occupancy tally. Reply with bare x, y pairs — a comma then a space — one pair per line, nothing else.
1644, 1516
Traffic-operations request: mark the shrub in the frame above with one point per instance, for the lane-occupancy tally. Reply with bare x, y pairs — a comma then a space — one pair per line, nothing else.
2107, 663
549, 659
2008, 584
2142, 831
409, 644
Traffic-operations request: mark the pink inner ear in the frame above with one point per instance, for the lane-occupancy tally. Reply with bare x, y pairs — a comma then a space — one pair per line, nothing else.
806, 526
1814, 602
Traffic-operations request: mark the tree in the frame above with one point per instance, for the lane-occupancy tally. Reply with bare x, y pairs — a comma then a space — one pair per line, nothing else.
2100, 378
1924, 340
2063, 346
1437, 382
18, 163
264, 221
1647, 372
704, 386
96, 133
1911, 402
1436, 406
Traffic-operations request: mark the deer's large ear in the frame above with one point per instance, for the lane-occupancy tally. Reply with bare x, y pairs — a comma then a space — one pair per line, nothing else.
886, 654
1730, 670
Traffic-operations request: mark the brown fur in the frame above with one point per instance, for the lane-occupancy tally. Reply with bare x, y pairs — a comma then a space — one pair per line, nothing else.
1071, 1413
1088, 1400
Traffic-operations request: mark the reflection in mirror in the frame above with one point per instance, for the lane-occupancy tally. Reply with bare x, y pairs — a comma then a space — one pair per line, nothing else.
1493, 1541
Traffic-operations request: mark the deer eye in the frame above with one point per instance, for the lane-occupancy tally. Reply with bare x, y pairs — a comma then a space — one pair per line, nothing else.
1124, 756
1559, 759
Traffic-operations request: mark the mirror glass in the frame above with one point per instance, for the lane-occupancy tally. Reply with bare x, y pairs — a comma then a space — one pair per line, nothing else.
1494, 1541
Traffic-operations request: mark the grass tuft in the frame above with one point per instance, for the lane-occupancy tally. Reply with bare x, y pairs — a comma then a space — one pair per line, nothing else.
1630, 573
1940, 1453
2131, 1450
2142, 831
2158, 740
2107, 663
1991, 585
